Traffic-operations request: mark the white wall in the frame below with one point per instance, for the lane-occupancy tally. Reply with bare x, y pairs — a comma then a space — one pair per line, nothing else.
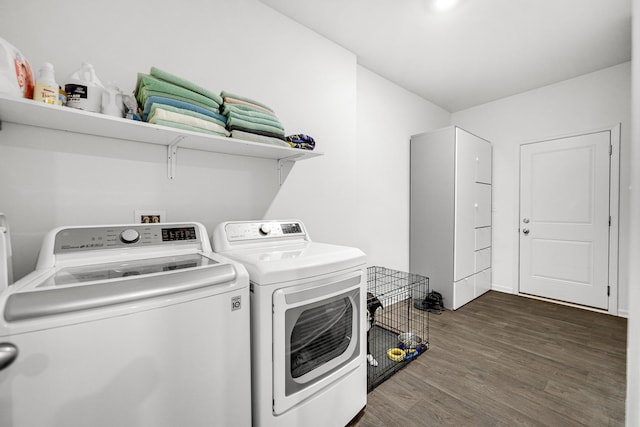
387, 117
593, 101
48, 178
633, 331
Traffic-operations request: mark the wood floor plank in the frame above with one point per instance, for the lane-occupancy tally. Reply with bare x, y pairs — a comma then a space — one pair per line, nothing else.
507, 360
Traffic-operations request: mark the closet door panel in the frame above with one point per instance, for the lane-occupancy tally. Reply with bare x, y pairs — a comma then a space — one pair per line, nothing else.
482, 205
463, 292
483, 162
482, 259
482, 282
483, 237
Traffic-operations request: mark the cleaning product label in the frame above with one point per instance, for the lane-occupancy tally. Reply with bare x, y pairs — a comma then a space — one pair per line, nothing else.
83, 97
24, 75
44, 92
75, 92
62, 96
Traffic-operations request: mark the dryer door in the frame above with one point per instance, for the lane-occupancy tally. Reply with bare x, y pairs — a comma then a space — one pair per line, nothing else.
316, 336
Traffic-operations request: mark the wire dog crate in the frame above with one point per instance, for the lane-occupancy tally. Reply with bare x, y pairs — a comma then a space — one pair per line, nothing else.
398, 331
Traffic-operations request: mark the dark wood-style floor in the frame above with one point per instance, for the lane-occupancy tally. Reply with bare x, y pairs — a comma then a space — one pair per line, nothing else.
507, 360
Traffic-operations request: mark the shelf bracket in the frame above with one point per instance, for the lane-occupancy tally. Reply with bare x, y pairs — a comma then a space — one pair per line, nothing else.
284, 168
172, 156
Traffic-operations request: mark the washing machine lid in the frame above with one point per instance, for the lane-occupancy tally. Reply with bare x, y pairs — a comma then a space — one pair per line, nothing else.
53, 292
295, 261
82, 269
125, 268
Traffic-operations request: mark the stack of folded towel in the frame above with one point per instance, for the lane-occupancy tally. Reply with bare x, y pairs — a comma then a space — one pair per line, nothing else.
251, 120
169, 100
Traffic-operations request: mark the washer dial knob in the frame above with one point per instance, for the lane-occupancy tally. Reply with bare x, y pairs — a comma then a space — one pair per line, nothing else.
265, 229
129, 236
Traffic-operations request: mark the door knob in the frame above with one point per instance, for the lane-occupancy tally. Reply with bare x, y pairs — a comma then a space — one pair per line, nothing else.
525, 231
8, 353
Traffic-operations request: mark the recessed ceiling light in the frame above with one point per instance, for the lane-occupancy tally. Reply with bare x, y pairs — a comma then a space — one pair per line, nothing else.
444, 4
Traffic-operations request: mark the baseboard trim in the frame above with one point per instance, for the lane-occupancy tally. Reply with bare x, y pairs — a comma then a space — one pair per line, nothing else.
502, 289
568, 304
507, 290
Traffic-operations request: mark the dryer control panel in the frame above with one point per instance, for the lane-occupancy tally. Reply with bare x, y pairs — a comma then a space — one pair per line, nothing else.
76, 239
264, 230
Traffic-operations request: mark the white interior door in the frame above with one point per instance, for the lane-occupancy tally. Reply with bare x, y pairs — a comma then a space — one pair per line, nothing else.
564, 219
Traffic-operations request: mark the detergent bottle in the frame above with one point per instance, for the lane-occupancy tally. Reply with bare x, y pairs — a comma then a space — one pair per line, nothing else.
16, 78
46, 88
84, 89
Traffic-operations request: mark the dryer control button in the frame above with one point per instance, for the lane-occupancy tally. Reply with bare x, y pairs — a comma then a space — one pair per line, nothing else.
129, 236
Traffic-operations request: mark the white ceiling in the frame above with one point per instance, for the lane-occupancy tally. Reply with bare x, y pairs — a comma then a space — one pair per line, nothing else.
479, 51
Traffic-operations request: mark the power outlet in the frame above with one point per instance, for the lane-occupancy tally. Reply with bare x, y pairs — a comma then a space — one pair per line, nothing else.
146, 216
150, 219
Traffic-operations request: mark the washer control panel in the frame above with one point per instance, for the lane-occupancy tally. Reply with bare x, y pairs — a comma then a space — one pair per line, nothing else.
241, 231
114, 237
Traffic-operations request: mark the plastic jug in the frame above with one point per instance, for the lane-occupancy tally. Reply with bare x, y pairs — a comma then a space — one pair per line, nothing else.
112, 103
84, 89
16, 78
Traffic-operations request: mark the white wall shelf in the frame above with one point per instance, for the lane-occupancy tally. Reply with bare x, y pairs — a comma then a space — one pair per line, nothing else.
31, 113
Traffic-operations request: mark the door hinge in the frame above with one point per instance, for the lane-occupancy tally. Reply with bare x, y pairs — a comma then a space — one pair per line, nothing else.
609, 220
609, 290
610, 149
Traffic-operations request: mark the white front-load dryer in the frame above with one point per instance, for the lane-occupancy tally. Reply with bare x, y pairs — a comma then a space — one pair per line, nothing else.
136, 325
308, 345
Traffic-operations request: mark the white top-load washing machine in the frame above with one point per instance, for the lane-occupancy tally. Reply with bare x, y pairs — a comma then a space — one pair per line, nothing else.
307, 323
126, 325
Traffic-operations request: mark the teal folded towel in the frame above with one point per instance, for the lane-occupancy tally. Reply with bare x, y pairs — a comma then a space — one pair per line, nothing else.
179, 81
224, 94
253, 137
246, 111
247, 125
150, 100
177, 125
147, 84
257, 120
188, 113
145, 93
